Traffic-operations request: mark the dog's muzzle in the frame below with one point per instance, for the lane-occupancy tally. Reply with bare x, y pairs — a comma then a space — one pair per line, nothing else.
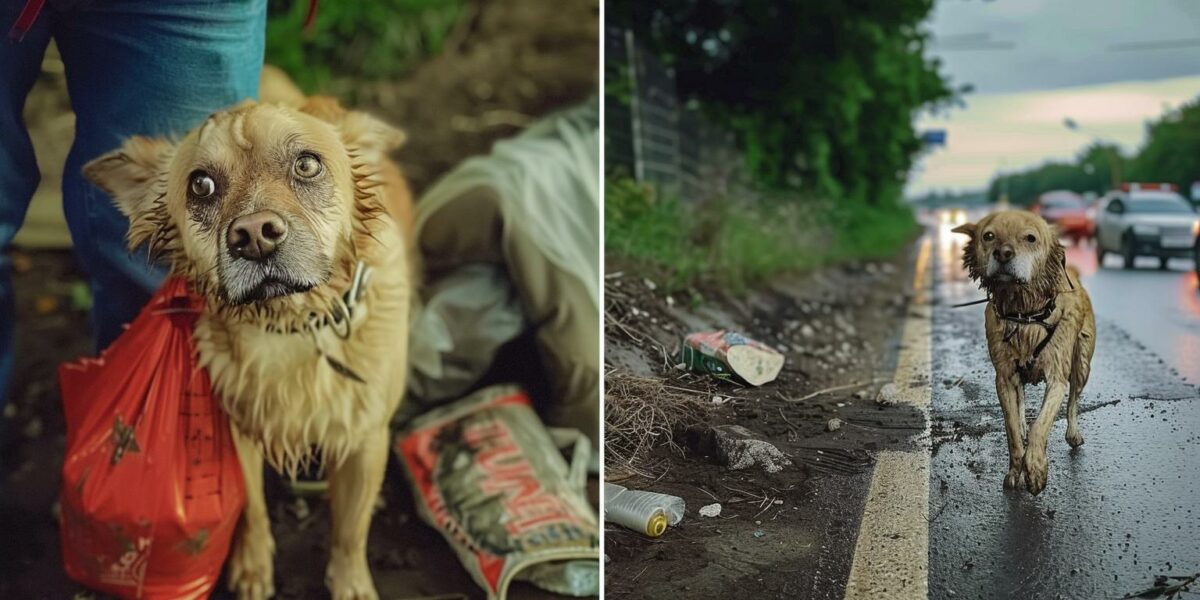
1006, 266
266, 258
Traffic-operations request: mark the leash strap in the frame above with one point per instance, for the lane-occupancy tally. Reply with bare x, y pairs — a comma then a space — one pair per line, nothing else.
962, 304
25, 20
310, 17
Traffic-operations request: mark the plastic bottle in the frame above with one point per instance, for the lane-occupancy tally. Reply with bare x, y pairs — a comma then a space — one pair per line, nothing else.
646, 512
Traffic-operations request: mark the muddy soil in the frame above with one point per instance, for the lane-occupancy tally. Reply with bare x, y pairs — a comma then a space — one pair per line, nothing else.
506, 64
789, 534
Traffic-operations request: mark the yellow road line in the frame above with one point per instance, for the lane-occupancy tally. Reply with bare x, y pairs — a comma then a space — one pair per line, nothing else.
891, 556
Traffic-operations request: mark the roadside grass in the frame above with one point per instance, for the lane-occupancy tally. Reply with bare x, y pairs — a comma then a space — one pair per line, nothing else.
737, 245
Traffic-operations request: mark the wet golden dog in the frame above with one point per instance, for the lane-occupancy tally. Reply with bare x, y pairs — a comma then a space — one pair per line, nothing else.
270, 212
1040, 327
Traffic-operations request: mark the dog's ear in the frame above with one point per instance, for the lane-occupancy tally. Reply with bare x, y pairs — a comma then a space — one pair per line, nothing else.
371, 134
360, 131
1056, 266
129, 175
969, 262
967, 228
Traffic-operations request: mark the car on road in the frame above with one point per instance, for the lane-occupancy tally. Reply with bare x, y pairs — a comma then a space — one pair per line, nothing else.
1146, 220
1067, 211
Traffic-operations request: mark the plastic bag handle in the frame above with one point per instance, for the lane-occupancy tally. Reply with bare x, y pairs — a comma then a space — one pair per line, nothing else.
564, 437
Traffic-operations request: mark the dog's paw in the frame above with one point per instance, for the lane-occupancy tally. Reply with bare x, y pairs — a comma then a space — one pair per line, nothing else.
251, 568
1074, 437
1012, 481
1036, 472
349, 578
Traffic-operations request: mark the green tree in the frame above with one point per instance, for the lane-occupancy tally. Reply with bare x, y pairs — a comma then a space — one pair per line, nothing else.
1172, 150
821, 94
1097, 163
1024, 187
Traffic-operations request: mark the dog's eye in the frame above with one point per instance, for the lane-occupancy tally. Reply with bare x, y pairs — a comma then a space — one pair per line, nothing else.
307, 166
201, 185
989, 236
1029, 238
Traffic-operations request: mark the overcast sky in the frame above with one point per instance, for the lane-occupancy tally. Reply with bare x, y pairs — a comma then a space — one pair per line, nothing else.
1111, 65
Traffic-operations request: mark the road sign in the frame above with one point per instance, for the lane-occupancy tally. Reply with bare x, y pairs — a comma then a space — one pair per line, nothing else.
934, 137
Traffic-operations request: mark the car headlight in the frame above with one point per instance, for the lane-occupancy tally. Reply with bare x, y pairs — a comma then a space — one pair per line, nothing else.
1196, 228
1145, 230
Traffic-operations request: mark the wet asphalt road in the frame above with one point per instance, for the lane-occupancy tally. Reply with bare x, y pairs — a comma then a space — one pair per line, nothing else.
1120, 510
1160, 309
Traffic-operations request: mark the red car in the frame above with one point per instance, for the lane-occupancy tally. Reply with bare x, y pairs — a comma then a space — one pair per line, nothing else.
1068, 211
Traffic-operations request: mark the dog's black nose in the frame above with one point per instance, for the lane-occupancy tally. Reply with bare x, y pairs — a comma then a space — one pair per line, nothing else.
1003, 253
256, 236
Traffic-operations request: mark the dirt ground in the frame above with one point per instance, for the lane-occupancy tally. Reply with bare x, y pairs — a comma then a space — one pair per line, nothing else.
789, 534
509, 62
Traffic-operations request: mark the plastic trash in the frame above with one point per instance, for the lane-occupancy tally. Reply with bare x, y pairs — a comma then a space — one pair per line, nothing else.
491, 478
731, 353
646, 512
152, 489
710, 511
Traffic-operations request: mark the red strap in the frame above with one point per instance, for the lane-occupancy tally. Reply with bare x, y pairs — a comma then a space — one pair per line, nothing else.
30, 13
311, 17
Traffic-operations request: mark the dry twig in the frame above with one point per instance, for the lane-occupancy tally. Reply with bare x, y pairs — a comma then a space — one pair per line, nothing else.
642, 413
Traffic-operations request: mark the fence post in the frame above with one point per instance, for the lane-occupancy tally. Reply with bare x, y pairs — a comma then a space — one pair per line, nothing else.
635, 117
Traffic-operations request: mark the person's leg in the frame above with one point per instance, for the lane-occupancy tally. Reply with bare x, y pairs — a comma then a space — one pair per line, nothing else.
143, 67
20, 63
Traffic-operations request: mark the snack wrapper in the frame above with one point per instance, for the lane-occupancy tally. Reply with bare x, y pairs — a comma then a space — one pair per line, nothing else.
488, 475
730, 353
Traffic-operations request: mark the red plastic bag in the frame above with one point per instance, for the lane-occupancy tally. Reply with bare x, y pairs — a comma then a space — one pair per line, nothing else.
152, 487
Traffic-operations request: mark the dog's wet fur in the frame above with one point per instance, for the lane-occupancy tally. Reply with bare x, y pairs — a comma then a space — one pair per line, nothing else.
1016, 257
267, 210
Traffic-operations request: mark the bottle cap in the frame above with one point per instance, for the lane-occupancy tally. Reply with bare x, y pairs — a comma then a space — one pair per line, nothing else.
657, 525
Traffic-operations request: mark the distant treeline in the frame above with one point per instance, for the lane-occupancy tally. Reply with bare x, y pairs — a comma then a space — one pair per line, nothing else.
1171, 155
938, 199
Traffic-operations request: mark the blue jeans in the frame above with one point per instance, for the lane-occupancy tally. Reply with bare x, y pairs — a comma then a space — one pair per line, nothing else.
145, 67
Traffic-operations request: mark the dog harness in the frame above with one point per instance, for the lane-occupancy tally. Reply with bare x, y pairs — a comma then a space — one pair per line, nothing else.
1018, 318
1034, 318
1037, 318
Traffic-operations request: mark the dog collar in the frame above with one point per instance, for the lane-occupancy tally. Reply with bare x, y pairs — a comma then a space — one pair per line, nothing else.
341, 315
339, 319
1038, 317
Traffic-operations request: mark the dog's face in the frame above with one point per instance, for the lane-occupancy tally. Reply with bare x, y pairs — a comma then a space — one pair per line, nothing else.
256, 203
1011, 248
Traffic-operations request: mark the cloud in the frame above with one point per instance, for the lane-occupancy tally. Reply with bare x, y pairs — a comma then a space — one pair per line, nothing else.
1060, 43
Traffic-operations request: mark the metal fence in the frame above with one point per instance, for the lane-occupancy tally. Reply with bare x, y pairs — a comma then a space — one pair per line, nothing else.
651, 137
